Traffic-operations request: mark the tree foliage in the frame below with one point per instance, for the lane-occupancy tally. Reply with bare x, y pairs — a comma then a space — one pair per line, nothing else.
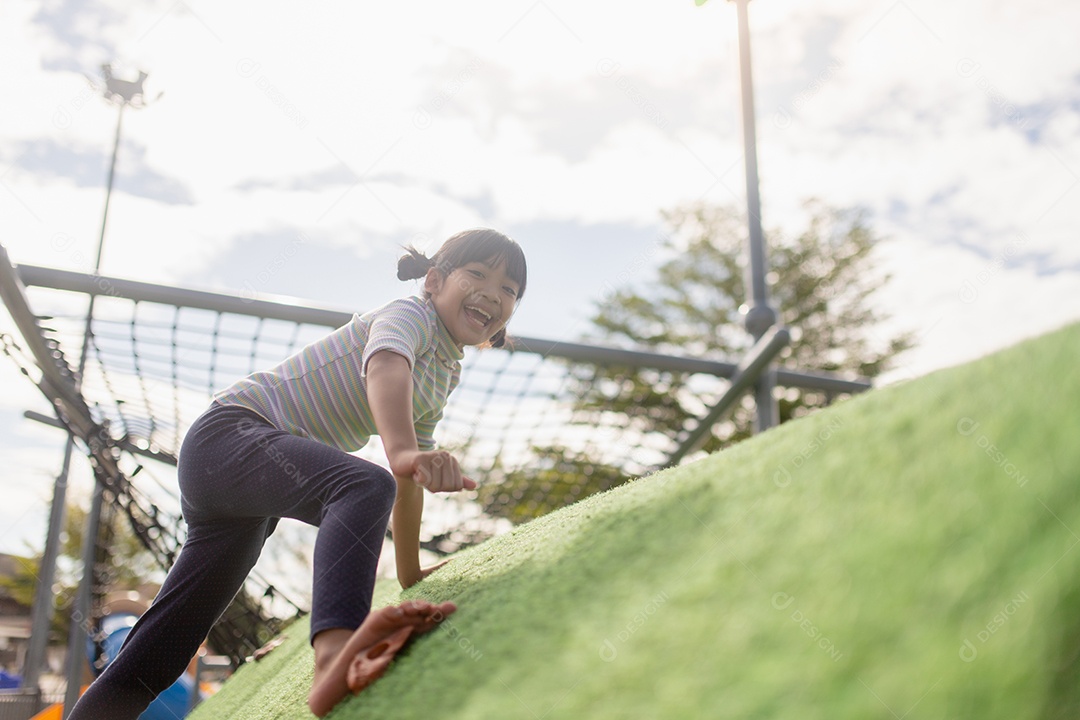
822, 282
129, 565
19, 586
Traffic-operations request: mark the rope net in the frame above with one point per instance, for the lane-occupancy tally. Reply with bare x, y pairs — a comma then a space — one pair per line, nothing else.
152, 368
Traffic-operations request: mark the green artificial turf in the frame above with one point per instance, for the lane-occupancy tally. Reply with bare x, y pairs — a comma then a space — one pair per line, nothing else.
909, 553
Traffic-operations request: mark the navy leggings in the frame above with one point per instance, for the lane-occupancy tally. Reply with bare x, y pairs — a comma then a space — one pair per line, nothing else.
239, 475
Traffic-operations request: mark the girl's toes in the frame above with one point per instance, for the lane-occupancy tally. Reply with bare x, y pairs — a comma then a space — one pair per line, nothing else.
369, 665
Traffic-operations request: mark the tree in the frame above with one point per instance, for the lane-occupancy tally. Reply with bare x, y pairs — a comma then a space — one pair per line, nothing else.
130, 563
822, 283
19, 585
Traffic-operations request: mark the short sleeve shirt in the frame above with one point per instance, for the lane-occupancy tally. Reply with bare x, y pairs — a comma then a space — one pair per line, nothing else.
321, 391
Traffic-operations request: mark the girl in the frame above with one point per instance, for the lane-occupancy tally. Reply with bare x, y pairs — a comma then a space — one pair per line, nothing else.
276, 444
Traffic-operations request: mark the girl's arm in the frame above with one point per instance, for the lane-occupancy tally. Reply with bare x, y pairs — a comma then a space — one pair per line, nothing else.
405, 526
390, 388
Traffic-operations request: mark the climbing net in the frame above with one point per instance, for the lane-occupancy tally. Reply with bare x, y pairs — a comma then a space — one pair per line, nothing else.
152, 367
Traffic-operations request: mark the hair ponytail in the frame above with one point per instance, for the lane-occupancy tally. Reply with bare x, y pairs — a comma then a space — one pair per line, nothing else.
413, 264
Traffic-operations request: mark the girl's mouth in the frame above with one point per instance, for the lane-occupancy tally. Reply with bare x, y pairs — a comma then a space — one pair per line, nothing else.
478, 315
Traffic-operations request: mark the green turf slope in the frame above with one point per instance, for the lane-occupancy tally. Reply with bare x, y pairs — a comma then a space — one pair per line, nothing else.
909, 553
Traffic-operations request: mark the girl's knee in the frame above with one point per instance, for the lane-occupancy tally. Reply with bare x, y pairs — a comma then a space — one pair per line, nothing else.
365, 489
384, 486
373, 484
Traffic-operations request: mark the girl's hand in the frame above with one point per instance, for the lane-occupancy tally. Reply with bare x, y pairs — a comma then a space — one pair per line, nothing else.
427, 571
438, 471
408, 580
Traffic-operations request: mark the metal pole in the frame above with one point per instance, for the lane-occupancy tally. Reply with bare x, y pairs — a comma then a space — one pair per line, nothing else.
81, 622
760, 315
105, 215
42, 612
755, 362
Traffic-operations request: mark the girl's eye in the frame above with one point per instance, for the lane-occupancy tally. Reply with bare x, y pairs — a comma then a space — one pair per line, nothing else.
510, 291
476, 273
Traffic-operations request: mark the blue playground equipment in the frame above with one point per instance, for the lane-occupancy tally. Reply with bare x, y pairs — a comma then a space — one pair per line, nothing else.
175, 702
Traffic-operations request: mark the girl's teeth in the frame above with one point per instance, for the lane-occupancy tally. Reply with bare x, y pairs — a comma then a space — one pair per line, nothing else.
478, 315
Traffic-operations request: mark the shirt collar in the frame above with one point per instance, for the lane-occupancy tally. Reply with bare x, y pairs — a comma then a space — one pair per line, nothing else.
445, 347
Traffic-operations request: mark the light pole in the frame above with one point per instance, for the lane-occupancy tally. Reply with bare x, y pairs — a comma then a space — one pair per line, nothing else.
760, 315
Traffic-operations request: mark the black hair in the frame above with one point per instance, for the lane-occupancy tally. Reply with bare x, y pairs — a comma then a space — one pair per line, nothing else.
483, 245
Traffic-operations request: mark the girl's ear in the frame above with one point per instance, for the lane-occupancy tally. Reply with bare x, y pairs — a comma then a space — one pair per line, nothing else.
433, 281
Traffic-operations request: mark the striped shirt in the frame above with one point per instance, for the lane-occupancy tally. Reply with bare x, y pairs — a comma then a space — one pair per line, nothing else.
321, 391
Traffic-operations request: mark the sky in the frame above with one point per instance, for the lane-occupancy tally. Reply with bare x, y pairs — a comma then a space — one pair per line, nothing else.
292, 149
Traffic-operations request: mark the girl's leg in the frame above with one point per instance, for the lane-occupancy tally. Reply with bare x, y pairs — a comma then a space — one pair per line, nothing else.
271, 473
237, 474
213, 564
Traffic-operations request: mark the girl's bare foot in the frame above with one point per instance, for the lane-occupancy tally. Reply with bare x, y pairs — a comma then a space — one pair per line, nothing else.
268, 648
369, 665
348, 662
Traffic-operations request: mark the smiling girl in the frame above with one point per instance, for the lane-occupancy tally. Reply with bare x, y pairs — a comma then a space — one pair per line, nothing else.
277, 444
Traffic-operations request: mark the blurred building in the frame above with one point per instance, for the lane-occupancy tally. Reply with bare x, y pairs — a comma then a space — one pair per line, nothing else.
14, 618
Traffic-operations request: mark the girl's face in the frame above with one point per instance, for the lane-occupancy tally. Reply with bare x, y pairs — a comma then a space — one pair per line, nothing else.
474, 301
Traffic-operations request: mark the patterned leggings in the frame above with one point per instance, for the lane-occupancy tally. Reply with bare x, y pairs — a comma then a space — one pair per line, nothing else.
239, 475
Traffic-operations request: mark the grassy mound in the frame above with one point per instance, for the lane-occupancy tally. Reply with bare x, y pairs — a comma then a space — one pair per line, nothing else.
907, 553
